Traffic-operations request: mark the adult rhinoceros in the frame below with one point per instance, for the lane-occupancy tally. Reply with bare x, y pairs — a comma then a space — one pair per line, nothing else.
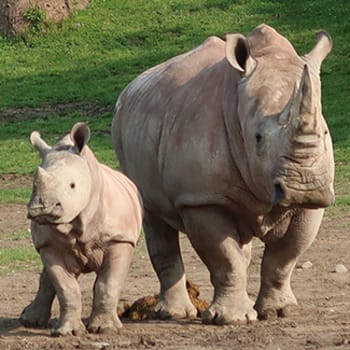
227, 142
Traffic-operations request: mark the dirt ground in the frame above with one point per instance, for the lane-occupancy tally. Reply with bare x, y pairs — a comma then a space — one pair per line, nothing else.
321, 320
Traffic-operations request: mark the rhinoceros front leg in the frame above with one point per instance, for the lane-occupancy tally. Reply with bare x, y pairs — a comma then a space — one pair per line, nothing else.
212, 234
108, 286
38, 312
280, 256
68, 293
164, 250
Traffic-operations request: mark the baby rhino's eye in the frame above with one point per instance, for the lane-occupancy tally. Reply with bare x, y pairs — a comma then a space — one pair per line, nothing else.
72, 185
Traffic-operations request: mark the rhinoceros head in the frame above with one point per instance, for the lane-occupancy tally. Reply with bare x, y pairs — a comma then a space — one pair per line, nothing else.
287, 144
62, 184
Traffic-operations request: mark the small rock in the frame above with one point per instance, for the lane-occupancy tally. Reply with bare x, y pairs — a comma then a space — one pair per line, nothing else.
305, 265
340, 268
95, 344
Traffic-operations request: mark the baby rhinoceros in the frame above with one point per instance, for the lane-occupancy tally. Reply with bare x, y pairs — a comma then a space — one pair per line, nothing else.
85, 217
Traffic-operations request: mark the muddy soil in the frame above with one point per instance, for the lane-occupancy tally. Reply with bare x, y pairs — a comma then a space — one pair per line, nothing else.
321, 320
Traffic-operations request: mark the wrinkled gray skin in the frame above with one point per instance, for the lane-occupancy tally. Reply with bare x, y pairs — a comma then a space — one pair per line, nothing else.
85, 217
227, 142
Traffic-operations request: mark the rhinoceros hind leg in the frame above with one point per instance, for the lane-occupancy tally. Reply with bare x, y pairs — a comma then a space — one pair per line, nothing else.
276, 298
164, 250
212, 234
38, 312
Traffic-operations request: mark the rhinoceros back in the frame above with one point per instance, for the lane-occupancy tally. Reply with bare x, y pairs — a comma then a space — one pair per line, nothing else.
154, 105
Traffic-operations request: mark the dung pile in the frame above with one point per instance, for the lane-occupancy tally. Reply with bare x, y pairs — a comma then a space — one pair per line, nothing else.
143, 308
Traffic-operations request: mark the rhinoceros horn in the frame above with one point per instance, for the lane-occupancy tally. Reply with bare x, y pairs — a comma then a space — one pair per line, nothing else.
300, 109
43, 177
42, 202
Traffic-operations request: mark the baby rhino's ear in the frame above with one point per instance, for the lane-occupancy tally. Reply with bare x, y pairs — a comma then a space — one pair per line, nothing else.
42, 147
80, 135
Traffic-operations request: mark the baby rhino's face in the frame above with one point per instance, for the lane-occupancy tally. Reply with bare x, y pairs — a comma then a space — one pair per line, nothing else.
61, 188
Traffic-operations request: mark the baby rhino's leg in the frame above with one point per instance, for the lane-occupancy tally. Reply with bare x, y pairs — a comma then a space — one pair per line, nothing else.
108, 286
38, 312
67, 290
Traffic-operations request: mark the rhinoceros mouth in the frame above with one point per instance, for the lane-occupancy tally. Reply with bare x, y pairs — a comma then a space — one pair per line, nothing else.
43, 219
44, 214
278, 193
309, 194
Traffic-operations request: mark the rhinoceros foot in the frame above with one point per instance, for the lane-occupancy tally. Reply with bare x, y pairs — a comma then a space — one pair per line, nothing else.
35, 316
275, 304
177, 310
272, 314
221, 314
69, 327
104, 323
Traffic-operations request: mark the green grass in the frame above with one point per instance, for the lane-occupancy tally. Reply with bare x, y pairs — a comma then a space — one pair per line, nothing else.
94, 54
15, 195
16, 236
18, 258
99, 50
17, 253
18, 156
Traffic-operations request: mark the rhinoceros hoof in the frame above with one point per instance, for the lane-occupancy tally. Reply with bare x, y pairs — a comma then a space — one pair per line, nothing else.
104, 324
165, 311
220, 315
272, 314
76, 328
34, 317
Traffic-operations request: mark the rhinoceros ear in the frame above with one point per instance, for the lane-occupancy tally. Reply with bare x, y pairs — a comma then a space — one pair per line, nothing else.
80, 135
42, 147
322, 48
238, 53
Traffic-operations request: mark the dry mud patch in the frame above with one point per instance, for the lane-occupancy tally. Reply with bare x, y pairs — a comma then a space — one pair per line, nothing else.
321, 321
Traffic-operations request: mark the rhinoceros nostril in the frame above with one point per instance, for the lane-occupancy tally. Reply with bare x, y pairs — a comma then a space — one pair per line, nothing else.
278, 192
57, 209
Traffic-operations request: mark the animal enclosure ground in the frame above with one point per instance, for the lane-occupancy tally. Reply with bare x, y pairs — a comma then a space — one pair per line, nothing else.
321, 321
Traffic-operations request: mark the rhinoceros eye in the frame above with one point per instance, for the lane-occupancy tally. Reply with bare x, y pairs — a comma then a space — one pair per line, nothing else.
72, 185
258, 137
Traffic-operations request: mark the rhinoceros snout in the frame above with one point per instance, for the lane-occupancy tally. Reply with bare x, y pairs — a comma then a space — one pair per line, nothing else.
40, 209
290, 195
